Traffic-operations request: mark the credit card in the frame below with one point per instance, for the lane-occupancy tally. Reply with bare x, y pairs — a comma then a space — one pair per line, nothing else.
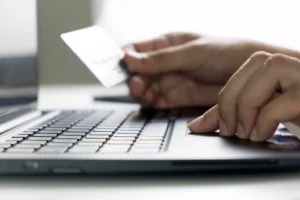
293, 129
99, 53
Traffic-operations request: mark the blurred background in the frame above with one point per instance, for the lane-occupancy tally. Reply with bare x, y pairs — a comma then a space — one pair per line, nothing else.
273, 21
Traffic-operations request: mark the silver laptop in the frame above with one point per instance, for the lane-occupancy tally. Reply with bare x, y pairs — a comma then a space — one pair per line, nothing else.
109, 141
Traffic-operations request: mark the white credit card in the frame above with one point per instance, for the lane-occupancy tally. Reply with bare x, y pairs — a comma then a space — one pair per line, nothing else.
293, 129
97, 50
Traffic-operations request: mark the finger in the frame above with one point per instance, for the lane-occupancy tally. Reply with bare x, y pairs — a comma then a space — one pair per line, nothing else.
208, 122
183, 57
170, 39
262, 86
138, 86
285, 108
152, 45
149, 97
173, 90
228, 97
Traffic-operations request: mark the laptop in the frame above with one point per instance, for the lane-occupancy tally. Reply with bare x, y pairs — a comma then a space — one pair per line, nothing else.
108, 141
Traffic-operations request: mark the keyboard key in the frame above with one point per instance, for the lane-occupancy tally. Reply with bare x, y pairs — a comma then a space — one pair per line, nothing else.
78, 130
63, 123
19, 151
107, 126
32, 130
90, 121
87, 123
83, 149
59, 144
122, 138
130, 129
39, 139
59, 126
40, 126
64, 140
4, 145
27, 133
93, 140
110, 124
132, 126
73, 134
116, 142
20, 136
52, 149
100, 133
104, 130
115, 149
33, 142
49, 132
11, 142
14, 140
44, 135
97, 137
27, 146
126, 135
98, 144
82, 126
69, 137
155, 128
54, 129
128, 132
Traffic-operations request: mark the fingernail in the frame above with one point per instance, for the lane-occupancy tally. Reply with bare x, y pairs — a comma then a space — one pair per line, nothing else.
254, 135
240, 131
223, 128
194, 125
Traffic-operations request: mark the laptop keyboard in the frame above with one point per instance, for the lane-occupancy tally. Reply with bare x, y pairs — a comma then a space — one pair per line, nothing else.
74, 132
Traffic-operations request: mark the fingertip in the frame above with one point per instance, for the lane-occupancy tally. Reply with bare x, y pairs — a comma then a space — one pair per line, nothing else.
132, 60
161, 103
137, 86
149, 97
195, 125
208, 122
261, 134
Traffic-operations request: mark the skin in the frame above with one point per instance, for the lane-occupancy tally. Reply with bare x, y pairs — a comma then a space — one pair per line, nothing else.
262, 93
186, 69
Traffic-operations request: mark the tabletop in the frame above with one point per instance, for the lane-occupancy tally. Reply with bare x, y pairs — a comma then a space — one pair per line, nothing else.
284, 185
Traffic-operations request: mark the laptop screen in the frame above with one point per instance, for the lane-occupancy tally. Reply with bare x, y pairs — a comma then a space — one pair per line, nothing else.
18, 52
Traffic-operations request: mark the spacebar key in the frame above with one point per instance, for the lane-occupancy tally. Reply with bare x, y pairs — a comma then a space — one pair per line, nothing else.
155, 128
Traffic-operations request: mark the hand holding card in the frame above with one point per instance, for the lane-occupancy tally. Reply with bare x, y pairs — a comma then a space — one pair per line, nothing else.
96, 49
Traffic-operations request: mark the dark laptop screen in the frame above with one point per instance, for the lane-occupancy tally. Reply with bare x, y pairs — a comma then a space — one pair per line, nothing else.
18, 51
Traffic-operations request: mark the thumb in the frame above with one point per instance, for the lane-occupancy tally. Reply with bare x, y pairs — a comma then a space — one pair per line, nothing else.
177, 58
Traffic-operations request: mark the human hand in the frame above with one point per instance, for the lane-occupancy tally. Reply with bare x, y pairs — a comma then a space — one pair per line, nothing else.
184, 69
262, 93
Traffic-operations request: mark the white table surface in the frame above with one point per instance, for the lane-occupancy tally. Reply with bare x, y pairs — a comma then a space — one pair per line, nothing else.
285, 186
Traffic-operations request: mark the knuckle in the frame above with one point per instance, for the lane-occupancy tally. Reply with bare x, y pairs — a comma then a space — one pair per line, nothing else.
273, 64
241, 105
275, 60
223, 102
260, 56
222, 97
